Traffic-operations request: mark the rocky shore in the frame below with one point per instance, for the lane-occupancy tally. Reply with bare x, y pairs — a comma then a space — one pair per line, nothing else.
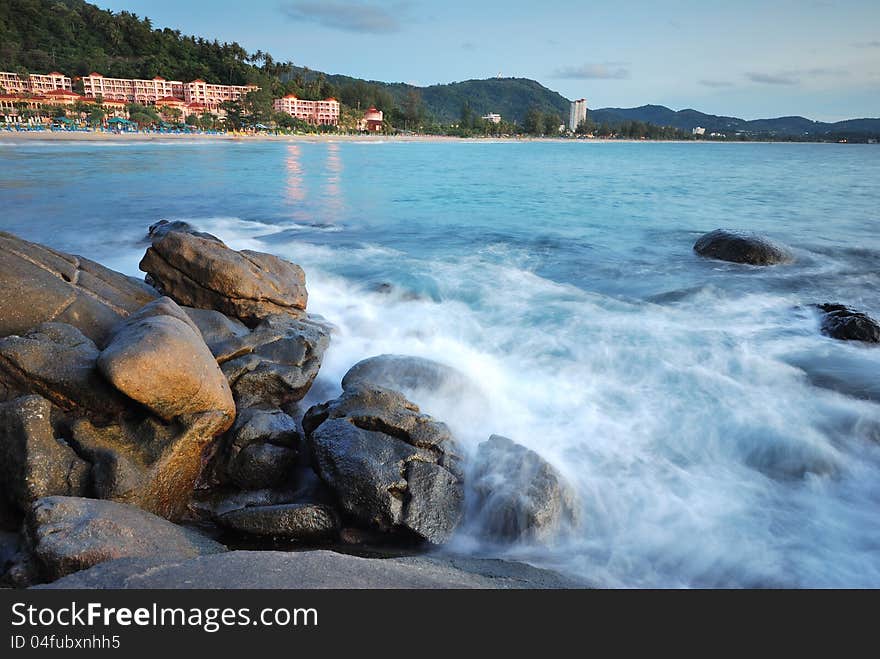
158, 424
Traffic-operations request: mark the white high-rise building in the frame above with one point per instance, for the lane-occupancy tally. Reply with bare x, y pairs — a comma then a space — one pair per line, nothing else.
578, 113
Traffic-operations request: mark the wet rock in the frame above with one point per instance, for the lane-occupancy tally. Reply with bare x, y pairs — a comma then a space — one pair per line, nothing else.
846, 324
162, 227
312, 569
519, 495
69, 534
388, 465
35, 461
741, 247
276, 363
303, 522
43, 285
406, 374
146, 462
260, 451
58, 362
158, 358
206, 274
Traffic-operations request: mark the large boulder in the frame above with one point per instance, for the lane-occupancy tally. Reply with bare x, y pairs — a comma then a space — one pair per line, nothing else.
841, 322
741, 247
389, 466
35, 461
162, 227
204, 273
158, 358
311, 569
301, 522
69, 534
276, 363
58, 362
146, 462
519, 495
43, 285
260, 451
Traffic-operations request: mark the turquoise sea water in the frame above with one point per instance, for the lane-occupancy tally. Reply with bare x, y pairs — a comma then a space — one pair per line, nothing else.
714, 436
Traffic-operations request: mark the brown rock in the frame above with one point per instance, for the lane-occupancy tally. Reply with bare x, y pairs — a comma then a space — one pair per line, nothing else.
161, 361
35, 461
206, 274
43, 285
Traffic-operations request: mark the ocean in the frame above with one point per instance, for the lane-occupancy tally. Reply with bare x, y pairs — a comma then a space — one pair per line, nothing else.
714, 436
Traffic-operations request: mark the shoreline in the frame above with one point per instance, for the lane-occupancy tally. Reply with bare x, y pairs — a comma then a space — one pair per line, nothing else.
63, 136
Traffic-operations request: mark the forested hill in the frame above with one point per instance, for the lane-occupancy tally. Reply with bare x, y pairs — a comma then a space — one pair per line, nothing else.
76, 38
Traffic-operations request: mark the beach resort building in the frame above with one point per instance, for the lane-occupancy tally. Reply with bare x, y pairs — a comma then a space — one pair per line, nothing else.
34, 83
150, 92
577, 113
492, 118
317, 113
372, 121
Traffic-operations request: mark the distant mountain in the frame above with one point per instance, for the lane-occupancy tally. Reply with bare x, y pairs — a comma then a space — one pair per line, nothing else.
690, 119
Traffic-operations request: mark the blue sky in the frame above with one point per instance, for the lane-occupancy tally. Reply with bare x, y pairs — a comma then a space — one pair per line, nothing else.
748, 58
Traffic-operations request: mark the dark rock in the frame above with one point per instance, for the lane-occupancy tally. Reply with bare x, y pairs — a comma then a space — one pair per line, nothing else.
740, 247
841, 322
162, 227
57, 362
35, 461
260, 451
388, 465
206, 274
158, 358
69, 534
303, 522
145, 462
209, 504
276, 363
10, 546
519, 495
408, 375
312, 569
42, 285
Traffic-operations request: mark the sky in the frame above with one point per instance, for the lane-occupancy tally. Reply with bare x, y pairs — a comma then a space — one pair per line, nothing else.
749, 59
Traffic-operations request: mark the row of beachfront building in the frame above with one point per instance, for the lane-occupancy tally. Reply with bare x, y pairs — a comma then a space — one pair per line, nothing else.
169, 96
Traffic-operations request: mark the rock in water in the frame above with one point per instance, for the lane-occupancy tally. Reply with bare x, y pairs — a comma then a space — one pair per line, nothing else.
34, 460
71, 534
302, 522
42, 285
519, 495
160, 228
158, 358
841, 322
739, 247
389, 466
206, 274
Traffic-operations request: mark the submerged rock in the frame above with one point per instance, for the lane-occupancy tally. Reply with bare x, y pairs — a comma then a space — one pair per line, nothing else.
69, 534
312, 569
389, 466
206, 274
841, 322
302, 522
43, 285
519, 495
740, 247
